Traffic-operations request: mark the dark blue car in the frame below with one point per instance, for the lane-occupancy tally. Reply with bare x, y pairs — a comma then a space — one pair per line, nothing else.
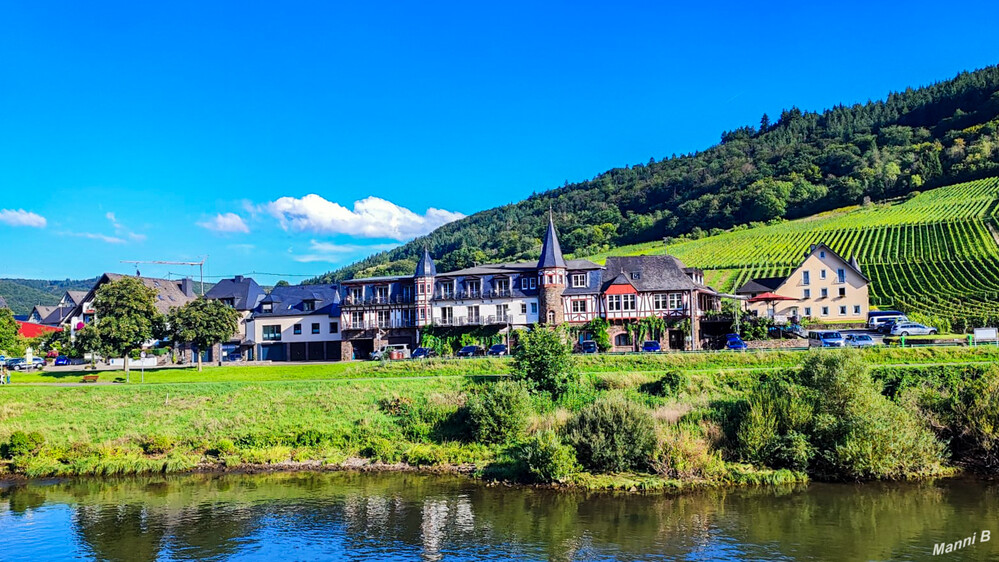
61, 361
651, 346
735, 343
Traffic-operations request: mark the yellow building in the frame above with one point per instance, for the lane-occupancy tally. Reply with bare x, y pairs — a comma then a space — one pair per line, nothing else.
825, 287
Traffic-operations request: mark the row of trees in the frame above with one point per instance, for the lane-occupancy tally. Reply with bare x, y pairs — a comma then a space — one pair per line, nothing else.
127, 319
794, 166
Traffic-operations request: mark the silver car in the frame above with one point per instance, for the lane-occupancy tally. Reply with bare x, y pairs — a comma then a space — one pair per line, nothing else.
860, 340
912, 329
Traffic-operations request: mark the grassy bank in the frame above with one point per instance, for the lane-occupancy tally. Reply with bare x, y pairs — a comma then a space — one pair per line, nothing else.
608, 364
694, 407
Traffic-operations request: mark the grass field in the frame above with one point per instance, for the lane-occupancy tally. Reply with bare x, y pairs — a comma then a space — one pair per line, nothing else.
936, 253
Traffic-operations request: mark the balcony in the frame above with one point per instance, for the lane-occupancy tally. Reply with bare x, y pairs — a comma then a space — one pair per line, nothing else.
481, 320
381, 325
355, 302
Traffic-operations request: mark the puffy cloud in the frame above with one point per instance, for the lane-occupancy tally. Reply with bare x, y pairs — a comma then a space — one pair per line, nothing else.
371, 217
20, 217
335, 253
226, 223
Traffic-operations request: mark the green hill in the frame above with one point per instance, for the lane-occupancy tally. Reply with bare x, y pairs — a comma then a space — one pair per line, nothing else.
934, 253
23, 294
797, 165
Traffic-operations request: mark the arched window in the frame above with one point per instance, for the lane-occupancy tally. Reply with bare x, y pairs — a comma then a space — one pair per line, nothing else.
551, 316
622, 340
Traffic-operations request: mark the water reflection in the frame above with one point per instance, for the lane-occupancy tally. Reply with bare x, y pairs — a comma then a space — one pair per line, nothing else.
420, 517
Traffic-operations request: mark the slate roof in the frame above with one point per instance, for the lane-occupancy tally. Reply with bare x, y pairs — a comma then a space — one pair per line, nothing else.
76, 296
382, 279
244, 291
52, 315
656, 273
551, 252
761, 285
3, 302
425, 267
169, 293
289, 301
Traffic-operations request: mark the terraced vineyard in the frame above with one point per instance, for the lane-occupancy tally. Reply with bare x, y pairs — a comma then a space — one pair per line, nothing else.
936, 253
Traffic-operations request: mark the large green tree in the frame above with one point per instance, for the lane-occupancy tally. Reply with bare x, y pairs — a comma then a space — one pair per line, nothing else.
126, 316
10, 342
203, 323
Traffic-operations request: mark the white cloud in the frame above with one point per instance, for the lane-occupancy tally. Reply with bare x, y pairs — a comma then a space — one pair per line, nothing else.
20, 217
371, 217
120, 230
226, 222
96, 236
335, 253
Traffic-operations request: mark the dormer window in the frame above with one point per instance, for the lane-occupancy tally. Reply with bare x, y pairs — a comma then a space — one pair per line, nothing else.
357, 294
308, 305
636, 275
267, 307
578, 279
231, 303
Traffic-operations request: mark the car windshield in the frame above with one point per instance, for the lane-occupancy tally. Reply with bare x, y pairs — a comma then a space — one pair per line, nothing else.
832, 335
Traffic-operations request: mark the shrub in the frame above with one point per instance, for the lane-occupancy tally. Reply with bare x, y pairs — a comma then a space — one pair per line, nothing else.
223, 447
612, 435
21, 443
381, 449
544, 458
670, 384
311, 438
544, 359
434, 417
682, 453
157, 445
499, 412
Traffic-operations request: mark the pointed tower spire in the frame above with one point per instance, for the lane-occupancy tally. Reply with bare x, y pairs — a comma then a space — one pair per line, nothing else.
551, 252
425, 267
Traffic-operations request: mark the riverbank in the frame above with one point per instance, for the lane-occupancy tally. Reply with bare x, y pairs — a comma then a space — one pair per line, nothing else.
424, 422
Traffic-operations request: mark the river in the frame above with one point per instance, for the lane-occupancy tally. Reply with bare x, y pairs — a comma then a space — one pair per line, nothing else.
407, 516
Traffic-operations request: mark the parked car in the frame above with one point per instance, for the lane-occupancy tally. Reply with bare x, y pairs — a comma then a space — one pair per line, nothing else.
651, 346
825, 339
383, 352
423, 353
734, 342
588, 346
61, 361
912, 329
497, 350
876, 318
18, 364
860, 340
470, 351
37, 362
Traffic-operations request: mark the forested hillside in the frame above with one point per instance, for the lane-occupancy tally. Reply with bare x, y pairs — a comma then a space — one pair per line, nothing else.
789, 166
23, 294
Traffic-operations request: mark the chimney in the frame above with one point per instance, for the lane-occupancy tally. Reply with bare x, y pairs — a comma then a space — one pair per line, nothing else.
187, 286
238, 279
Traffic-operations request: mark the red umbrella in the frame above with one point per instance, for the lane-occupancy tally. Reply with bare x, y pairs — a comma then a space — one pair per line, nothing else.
770, 299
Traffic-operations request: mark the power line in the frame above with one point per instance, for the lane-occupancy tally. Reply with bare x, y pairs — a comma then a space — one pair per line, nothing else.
229, 276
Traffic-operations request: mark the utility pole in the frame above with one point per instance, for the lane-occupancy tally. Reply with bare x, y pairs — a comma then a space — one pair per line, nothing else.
200, 264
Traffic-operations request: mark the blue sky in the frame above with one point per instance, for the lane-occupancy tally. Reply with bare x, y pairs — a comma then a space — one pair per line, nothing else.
292, 138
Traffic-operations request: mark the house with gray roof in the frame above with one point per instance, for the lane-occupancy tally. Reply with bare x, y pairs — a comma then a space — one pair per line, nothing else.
243, 294
295, 323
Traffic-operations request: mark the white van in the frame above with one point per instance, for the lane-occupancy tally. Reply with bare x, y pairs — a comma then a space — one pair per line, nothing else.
876, 318
383, 352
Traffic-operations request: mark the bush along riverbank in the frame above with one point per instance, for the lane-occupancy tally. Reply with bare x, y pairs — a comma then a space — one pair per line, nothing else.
832, 417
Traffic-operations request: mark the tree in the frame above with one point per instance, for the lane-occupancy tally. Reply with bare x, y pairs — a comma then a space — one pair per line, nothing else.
281, 283
764, 123
126, 316
543, 358
10, 341
203, 323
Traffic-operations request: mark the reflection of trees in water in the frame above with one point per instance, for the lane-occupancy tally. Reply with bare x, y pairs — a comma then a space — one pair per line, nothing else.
418, 515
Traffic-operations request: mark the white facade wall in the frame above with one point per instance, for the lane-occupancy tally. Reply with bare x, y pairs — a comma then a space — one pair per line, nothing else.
520, 311
255, 328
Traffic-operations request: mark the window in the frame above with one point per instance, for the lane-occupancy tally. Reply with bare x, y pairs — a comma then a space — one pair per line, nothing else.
579, 306
659, 302
534, 308
842, 291
675, 301
630, 302
622, 340
315, 327
474, 288
407, 317
825, 311
381, 293
447, 289
841, 275
423, 314
334, 327
231, 303
473, 314
578, 279
856, 309
824, 292
842, 311
822, 274
407, 293
523, 308
502, 286
267, 307
272, 333
357, 321
613, 303
806, 278
807, 293
636, 274
447, 315
384, 318
822, 254
528, 283
309, 305
551, 316
297, 330
502, 312
523, 283
420, 288
808, 311
357, 294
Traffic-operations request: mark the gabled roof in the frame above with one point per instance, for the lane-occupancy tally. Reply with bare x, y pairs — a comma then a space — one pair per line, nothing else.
169, 293
244, 291
52, 315
551, 252
75, 297
655, 273
852, 262
288, 301
761, 285
425, 267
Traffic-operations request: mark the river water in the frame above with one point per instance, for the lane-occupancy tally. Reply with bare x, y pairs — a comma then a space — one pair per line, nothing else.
405, 516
